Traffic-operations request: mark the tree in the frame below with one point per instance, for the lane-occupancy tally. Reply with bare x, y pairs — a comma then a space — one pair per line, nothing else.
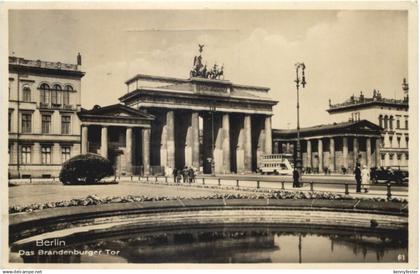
85, 169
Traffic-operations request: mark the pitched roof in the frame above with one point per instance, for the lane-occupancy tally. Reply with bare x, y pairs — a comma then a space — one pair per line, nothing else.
115, 110
350, 126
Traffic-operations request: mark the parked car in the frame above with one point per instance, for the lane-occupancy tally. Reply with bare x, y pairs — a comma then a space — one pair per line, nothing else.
389, 175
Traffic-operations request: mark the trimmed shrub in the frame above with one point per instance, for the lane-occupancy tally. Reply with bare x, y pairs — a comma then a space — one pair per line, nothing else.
85, 169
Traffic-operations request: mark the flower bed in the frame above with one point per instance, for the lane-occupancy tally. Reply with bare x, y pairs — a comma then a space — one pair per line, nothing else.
257, 194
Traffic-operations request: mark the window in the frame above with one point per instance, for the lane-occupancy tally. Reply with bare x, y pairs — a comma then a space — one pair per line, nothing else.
66, 95
26, 94
65, 124
380, 121
26, 123
399, 141
46, 123
382, 141
399, 156
382, 156
10, 122
45, 93
391, 120
55, 95
46, 155
390, 141
406, 124
386, 122
391, 156
398, 124
406, 141
65, 153
406, 156
26, 155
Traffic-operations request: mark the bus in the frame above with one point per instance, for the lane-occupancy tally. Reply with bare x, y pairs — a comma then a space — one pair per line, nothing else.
278, 164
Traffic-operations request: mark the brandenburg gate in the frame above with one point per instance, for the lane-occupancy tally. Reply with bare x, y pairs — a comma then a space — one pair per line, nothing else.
204, 121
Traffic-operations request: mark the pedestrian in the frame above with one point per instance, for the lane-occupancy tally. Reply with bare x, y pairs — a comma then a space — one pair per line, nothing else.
296, 178
358, 177
175, 173
185, 174
178, 175
366, 178
191, 175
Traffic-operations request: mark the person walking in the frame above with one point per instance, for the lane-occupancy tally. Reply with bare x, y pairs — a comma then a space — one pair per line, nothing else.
366, 178
178, 175
358, 177
185, 175
175, 173
296, 178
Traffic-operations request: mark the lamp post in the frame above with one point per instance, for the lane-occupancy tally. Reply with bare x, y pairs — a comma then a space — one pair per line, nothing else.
298, 157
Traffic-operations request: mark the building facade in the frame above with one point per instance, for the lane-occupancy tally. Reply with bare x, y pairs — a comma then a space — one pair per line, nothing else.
333, 148
44, 130
120, 134
390, 114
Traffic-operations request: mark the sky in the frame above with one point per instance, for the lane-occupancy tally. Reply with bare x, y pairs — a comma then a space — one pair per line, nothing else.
345, 51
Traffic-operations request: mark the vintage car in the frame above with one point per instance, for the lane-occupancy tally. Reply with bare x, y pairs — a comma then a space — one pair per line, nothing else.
389, 175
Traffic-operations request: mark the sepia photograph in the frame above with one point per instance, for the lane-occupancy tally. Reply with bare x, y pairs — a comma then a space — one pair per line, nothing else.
204, 136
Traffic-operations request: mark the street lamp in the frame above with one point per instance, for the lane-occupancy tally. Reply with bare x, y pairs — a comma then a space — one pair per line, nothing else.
298, 157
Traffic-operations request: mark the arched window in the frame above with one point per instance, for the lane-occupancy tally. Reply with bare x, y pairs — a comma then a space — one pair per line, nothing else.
26, 94
45, 93
66, 94
380, 120
55, 94
386, 122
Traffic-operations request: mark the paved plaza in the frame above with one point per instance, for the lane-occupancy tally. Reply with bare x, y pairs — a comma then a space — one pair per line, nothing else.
52, 191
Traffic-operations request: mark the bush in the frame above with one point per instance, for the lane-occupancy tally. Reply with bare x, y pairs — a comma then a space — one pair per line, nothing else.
85, 169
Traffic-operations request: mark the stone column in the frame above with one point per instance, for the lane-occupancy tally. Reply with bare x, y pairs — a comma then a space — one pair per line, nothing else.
84, 144
320, 156
195, 140
128, 150
355, 151
345, 153
378, 152
268, 136
276, 147
146, 150
248, 144
170, 139
309, 153
104, 142
332, 155
226, 143
368, 153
